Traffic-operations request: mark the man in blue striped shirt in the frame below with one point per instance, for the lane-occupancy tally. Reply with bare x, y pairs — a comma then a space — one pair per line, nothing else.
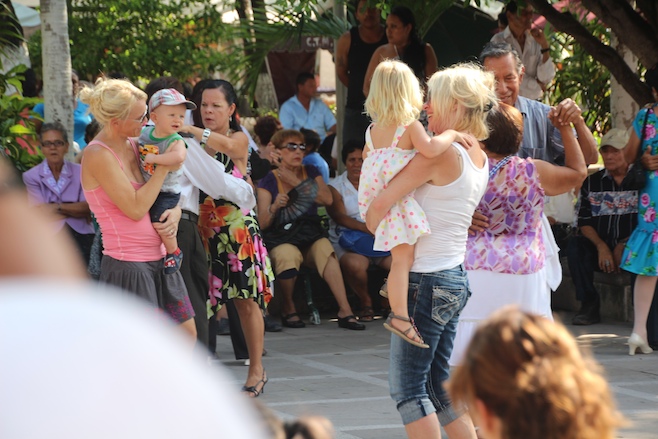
606, 218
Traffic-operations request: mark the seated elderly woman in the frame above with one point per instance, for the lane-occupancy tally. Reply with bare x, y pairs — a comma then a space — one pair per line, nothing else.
288, 200
352, 241
54, 186
524, 376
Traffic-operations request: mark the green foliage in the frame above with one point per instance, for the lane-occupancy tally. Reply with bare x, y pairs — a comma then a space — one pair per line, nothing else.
286, 22
581, 78
280, 25
34, 48
145, 38
15, 125
426, 12
9, 34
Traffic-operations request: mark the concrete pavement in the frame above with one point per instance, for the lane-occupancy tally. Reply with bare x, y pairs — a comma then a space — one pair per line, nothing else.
343, 375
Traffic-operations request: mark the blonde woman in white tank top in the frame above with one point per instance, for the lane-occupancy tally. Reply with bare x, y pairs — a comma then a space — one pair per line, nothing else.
448, 188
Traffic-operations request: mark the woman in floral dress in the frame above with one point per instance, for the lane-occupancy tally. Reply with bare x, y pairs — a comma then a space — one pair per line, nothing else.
641, 252
506, 262
239, 264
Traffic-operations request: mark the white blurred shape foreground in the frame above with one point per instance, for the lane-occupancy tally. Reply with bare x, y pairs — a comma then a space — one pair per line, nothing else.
82, 361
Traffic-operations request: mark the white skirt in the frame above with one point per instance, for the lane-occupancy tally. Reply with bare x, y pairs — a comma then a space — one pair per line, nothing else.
492, 291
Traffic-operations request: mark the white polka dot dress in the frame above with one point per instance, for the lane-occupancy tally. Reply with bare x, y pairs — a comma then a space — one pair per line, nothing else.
405, 222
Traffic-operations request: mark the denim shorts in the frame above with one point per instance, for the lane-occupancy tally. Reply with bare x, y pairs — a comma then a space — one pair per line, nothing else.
165, 200
416, 375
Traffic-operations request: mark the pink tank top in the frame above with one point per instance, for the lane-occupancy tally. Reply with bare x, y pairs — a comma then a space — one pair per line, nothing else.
123, 238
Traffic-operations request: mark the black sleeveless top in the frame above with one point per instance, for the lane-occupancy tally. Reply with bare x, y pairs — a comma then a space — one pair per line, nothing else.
358, 59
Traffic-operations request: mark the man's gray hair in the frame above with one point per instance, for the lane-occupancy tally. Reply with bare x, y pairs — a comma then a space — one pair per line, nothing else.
498, 50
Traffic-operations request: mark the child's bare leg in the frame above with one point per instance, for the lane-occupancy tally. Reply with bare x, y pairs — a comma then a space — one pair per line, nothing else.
170, 243
174, 256
398, 278
398, 321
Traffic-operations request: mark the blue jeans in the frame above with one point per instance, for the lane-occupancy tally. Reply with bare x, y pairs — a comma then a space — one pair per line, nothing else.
165, 200
416, 375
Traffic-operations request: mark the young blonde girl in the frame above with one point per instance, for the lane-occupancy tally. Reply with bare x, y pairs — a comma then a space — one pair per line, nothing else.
392, 140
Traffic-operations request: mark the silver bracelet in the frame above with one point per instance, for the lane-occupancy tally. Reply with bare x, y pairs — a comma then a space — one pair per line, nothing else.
204, 137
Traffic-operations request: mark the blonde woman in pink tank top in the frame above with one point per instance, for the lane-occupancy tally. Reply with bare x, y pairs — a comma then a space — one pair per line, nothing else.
120, 200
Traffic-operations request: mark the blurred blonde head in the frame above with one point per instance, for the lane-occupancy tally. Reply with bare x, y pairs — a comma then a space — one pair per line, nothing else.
529, 373
395, 97
111, 99
460, 97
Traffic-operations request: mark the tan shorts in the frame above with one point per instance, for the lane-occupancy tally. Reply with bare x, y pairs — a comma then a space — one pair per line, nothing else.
287, 256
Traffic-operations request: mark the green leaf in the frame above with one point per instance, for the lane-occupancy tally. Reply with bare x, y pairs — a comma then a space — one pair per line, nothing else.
20, 129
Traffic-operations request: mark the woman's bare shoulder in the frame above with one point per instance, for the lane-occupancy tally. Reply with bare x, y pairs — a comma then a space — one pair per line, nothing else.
240, 137
386, 51
95, 151
98, 156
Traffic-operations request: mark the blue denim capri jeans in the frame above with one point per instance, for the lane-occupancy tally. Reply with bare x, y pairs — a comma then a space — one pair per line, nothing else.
416, 375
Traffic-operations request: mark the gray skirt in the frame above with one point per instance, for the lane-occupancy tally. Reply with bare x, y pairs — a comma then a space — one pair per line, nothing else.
148, 281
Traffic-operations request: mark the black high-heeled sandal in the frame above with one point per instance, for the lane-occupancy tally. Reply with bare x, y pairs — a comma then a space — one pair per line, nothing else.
254, 390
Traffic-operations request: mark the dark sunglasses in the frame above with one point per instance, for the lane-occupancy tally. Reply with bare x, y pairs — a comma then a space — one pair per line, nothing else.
56, 143
293, 146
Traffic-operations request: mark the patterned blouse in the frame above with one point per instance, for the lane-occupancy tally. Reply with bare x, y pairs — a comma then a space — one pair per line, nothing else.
514, 203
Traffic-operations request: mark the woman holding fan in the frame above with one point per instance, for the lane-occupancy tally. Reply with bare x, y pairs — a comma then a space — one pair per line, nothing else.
288, 200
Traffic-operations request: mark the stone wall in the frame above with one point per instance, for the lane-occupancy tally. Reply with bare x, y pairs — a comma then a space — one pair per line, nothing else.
615, 291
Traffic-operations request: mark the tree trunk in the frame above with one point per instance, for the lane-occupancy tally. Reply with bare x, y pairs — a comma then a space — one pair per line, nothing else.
245, 13
632, 29
622, 107
56, 58
341, 98
565, 22
258, 14
265, 93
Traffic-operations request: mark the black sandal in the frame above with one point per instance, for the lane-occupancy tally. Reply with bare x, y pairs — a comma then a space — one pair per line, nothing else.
285, 321
344, 322
405, 334
367, 314
254, 390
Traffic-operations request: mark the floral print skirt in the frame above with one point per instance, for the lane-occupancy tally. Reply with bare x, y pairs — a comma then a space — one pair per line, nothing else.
239, 263
641, 252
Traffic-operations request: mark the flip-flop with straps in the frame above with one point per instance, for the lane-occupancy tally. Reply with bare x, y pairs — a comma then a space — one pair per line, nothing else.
405, 334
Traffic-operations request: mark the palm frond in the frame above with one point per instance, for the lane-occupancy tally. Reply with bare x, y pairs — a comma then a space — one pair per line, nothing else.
275, 26
11, 32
